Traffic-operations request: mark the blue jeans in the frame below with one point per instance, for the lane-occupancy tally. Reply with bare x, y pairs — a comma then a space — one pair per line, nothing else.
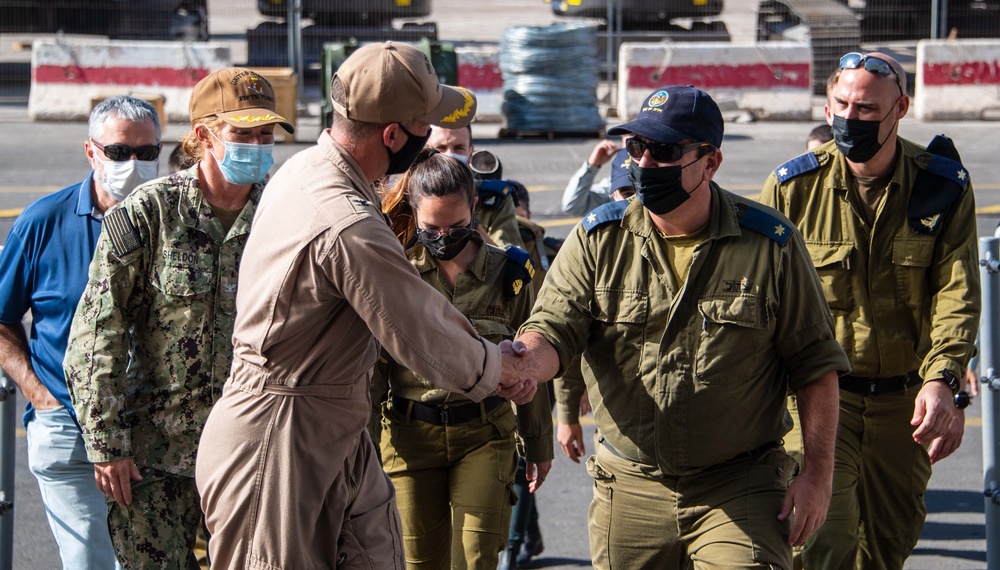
77, 510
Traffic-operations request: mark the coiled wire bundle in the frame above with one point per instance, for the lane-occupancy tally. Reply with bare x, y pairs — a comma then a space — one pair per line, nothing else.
550, 78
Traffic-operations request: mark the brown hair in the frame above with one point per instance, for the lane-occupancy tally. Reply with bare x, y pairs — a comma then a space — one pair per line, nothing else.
191, 146
431, 175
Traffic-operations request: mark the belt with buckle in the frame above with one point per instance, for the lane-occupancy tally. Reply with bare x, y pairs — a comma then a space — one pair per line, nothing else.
446, 415
867, 386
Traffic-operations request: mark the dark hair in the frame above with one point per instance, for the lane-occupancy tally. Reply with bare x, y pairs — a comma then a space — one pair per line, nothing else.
520, 194
822, 133
432, 174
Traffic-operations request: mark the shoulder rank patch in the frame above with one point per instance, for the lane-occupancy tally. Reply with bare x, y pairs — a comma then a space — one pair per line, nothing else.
124, 237
518, 271
937, 186
763, 222
492, 193
799, 165
360, 205
610, 212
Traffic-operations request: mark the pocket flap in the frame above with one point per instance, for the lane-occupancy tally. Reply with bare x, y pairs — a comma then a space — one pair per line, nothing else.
827, 254
736, 309
913, 252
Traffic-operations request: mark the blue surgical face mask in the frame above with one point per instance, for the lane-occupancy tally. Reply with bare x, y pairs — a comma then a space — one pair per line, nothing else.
245, 163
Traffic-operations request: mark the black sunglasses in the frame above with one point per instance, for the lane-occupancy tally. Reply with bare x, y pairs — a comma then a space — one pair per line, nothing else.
871, 64
123, 152
453, 233
670, 152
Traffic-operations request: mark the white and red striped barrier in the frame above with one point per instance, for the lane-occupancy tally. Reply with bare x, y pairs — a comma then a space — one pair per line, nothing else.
67, 76
957, 80
768, 80
479, 72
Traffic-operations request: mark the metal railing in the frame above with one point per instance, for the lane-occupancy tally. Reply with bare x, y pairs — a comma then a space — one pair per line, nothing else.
989, 334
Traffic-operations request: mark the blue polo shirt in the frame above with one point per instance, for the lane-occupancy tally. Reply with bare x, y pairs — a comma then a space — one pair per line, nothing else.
43, 268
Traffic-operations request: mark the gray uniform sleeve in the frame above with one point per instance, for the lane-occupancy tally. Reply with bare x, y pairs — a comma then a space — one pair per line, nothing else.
578, 197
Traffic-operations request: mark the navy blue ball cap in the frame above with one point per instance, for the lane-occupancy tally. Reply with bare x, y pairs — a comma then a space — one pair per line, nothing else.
619, 171
676, 113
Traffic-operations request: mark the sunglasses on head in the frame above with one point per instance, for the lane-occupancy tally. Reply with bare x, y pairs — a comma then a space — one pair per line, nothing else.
669, 152
123, 152
871, 64
453, 233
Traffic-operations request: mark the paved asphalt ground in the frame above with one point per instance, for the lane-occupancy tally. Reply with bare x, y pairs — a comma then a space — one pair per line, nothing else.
38, 158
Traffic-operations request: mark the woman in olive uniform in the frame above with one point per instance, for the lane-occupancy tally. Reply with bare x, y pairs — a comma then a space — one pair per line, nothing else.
451, 460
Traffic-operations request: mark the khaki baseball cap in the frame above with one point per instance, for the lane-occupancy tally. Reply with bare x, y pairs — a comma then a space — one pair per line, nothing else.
396, 83
240, 97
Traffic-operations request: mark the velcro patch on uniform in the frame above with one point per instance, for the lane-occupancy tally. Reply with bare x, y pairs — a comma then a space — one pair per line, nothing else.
360, 205
518, 271
124, 237
766, 224
610, 212
492, 193
799, 165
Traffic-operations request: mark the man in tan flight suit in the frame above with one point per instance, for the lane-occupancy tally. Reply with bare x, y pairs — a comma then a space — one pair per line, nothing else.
287, 473
692, 305
891, 228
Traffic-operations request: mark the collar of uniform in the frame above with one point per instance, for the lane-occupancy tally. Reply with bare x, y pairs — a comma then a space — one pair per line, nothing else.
343, 160
840, 174
722, 220
193, 208
424, 262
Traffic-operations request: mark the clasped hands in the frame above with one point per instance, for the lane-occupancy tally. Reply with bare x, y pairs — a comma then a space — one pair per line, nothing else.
517, 375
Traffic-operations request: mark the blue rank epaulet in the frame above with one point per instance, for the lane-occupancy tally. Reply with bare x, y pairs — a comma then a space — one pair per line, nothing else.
755, 218
610, 212
492, 193
519, 271
949, 169
799, 165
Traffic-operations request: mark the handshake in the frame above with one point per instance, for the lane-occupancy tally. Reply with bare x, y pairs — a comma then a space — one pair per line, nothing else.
526, 362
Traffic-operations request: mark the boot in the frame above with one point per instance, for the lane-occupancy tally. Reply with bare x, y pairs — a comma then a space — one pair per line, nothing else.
533, 544
508, 557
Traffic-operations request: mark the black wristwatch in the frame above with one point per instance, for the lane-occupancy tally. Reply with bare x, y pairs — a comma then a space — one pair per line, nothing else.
961, 399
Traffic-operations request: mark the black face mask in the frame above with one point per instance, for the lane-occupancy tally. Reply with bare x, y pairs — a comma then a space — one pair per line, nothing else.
857, 139
445, 247
659, 189
401, 160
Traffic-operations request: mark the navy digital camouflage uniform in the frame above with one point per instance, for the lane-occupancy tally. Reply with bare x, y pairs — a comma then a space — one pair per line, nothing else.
150, 349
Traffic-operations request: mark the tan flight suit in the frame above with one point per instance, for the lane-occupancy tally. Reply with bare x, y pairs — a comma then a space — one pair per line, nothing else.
149, 350
688, 380
454, 482
286, 470
902, 301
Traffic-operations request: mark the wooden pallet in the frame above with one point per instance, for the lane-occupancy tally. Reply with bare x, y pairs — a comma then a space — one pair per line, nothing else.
506, 133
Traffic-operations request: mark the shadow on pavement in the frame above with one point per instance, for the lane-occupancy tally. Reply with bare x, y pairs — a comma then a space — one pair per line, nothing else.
949, 553
550, 561
954, 501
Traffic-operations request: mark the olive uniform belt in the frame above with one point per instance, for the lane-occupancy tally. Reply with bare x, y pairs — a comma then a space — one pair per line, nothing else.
446, 415
867, 386
752, 454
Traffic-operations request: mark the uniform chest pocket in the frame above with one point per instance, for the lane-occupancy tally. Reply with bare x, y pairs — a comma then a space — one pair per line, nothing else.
911, 258
732, 337
492, 330
619, 327
184, 274
833, 264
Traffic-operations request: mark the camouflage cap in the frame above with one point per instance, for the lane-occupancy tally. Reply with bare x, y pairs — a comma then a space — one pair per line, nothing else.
240, 97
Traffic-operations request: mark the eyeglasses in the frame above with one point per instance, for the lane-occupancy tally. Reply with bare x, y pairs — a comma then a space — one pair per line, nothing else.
871, 64
123, 152
453, 233
670, 152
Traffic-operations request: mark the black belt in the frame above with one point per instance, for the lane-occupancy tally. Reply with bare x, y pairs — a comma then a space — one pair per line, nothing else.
867, 386
446, 415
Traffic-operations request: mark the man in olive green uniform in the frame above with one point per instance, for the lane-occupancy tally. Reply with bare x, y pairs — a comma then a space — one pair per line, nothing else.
695, 311
287, 473
150, 344
891, 229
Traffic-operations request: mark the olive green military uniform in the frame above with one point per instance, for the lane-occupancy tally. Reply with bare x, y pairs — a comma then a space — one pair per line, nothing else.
149, 351
905, 303
497, 216
666, 361
454, 481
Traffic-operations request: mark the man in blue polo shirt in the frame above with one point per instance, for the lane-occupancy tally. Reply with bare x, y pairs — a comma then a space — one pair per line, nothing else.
43, 269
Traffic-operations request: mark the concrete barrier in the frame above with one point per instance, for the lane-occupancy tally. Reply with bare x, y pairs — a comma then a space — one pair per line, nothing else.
768, 80
67, 76
957, 80
479, 72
